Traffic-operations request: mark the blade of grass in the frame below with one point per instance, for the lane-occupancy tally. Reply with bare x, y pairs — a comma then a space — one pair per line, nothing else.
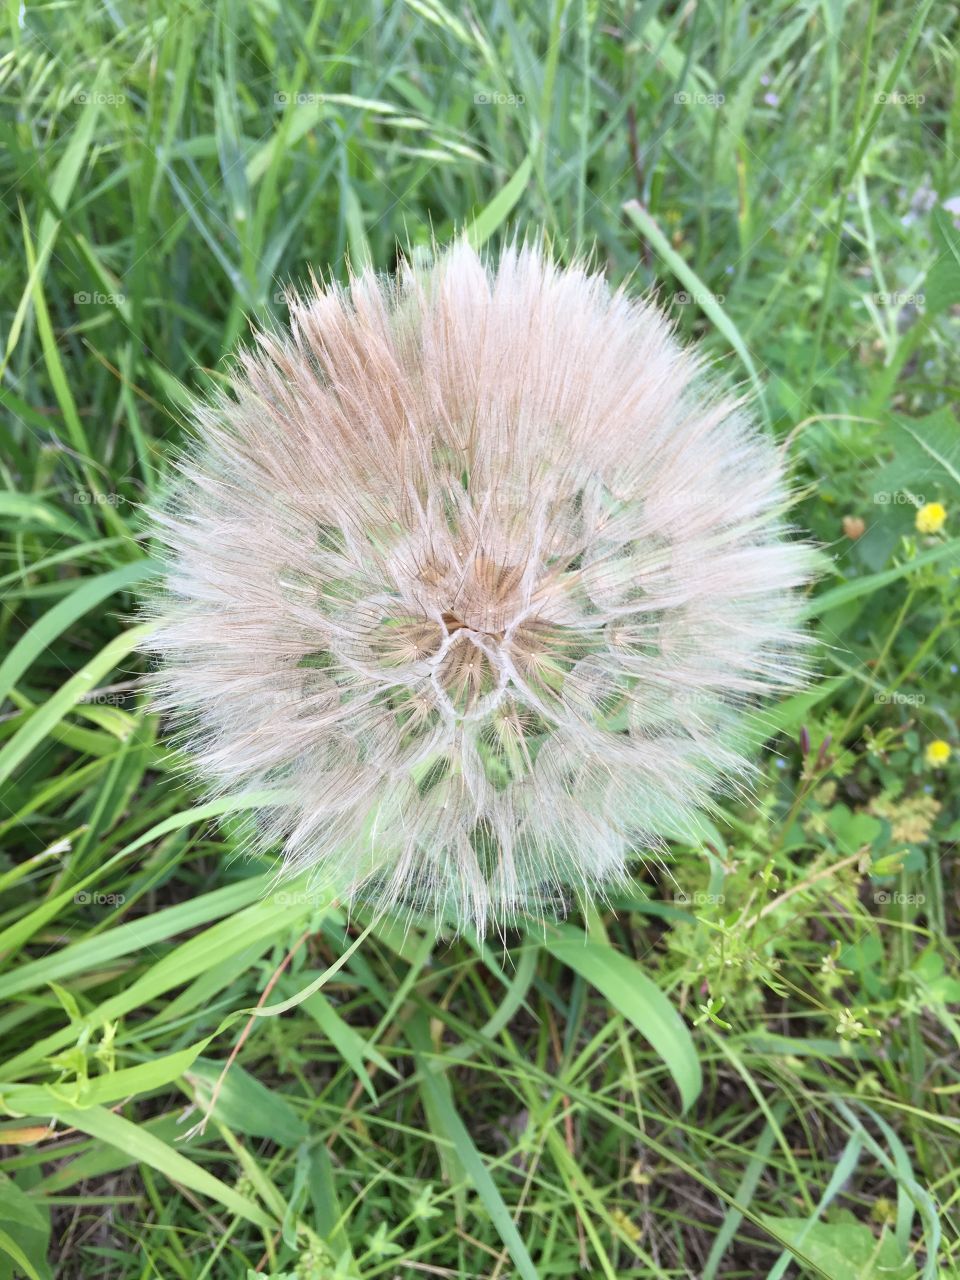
706, 300
637, 998
454, 1131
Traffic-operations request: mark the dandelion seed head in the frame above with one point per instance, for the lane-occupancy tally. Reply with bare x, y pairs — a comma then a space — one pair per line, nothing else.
480, 566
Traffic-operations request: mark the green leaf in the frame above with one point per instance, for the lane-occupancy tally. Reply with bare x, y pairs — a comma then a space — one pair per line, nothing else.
852, 830
60, 190
147, 1148
927, 449
688, 277
27, 509
244, 1104
90, 954
86, 596
36, 728
10, 1247
26, 1227
845, 1250
129, 1082
436, 1089
489, 220
637, 998
351, 1046
17, 933
198, 954
817, 606
941, 288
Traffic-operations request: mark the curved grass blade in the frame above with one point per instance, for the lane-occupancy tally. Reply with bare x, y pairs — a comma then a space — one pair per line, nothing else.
637, 998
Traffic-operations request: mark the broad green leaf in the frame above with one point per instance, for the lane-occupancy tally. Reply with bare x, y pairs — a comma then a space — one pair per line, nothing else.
638, 998
147, 1148
845, 1250
10, 1247
24, 1221
941, 289
244, 1104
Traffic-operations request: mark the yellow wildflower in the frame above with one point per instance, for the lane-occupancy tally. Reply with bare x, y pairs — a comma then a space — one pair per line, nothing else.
931, 517
938, 753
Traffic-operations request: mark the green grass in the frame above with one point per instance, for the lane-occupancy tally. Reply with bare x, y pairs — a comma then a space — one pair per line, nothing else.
752, 1068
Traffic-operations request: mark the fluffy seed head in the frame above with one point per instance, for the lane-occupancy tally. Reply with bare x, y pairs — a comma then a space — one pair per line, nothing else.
478, 566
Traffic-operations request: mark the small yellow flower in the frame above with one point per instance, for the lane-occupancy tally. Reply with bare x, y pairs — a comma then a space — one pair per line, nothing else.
931, 517
938, 753
627, 1225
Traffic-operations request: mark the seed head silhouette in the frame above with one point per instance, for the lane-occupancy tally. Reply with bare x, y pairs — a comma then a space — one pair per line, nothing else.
480, 567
